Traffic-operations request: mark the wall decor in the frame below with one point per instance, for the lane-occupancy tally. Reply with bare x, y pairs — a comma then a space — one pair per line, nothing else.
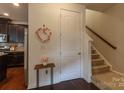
44, 60
44, 34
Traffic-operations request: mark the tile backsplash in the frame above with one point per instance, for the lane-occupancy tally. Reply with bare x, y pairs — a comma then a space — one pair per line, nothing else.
9, 44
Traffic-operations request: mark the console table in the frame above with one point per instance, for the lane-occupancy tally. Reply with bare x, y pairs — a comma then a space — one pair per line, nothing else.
41, 66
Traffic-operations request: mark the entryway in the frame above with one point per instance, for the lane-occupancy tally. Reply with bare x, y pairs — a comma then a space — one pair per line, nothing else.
15, 65
13, 46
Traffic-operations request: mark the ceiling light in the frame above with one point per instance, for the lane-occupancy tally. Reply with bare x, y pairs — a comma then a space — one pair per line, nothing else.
5, 14
16, 4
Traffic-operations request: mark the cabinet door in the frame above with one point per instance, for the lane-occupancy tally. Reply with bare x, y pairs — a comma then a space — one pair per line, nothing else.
15, 59
3, 28
12, 33
3, 67
16, 33
20, 33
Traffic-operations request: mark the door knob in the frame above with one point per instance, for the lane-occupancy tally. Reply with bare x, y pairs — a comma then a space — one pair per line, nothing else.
79, 53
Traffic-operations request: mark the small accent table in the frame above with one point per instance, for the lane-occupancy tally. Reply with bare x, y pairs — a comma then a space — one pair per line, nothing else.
41, 66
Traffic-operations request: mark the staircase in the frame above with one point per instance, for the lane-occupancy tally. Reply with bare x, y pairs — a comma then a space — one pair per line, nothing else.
102, 76
98, 64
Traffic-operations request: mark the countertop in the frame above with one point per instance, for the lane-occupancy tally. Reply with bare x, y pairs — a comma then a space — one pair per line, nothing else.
13, 51
18, 49
3, 54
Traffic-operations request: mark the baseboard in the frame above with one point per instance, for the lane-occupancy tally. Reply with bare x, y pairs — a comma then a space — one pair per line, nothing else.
117, 72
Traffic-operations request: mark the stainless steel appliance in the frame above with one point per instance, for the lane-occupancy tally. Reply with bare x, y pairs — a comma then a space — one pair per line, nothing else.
3, 38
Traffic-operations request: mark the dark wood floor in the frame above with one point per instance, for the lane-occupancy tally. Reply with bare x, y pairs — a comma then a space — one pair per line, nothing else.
76, 84
14, 80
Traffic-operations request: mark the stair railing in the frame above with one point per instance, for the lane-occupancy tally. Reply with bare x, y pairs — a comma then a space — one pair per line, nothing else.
108, 43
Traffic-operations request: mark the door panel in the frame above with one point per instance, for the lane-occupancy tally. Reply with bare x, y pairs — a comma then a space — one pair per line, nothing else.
70, 45
70, 68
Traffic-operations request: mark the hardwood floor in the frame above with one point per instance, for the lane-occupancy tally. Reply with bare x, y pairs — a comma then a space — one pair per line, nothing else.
14, 80
76, 84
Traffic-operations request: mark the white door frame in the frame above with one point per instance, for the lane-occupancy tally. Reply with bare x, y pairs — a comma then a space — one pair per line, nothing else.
26, 56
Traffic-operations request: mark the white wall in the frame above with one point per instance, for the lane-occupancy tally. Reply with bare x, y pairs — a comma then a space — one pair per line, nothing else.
48, 14
87, 69
110, 25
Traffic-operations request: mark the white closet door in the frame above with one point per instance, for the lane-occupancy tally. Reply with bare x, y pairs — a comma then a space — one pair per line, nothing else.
70, 45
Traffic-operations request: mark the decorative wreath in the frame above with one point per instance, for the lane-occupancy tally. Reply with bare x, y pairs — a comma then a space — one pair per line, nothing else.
44, 34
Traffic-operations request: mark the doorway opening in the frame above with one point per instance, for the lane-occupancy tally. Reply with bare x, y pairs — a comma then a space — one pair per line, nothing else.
13, 47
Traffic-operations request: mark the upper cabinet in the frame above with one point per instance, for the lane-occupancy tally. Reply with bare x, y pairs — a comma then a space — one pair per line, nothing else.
14, 32
3, 29
4, 25
20, 33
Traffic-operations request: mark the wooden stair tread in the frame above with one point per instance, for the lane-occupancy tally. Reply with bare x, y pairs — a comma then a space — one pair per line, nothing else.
94, 53
97, 63
101, 66
100, 69
98, 59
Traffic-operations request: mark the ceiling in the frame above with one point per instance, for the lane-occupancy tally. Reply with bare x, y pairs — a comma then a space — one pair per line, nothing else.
19, 14
99, 6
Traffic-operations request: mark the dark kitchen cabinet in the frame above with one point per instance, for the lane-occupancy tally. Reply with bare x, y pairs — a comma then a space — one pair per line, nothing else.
3, 29
16, 33
20, 33
12, 33
15, 59
3, 67
4, 25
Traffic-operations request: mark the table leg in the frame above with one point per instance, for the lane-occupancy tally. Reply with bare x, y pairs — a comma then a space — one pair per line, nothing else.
37, 78
51, 77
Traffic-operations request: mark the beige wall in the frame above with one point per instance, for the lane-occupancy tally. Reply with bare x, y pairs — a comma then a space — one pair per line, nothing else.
48, 14
110, 25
